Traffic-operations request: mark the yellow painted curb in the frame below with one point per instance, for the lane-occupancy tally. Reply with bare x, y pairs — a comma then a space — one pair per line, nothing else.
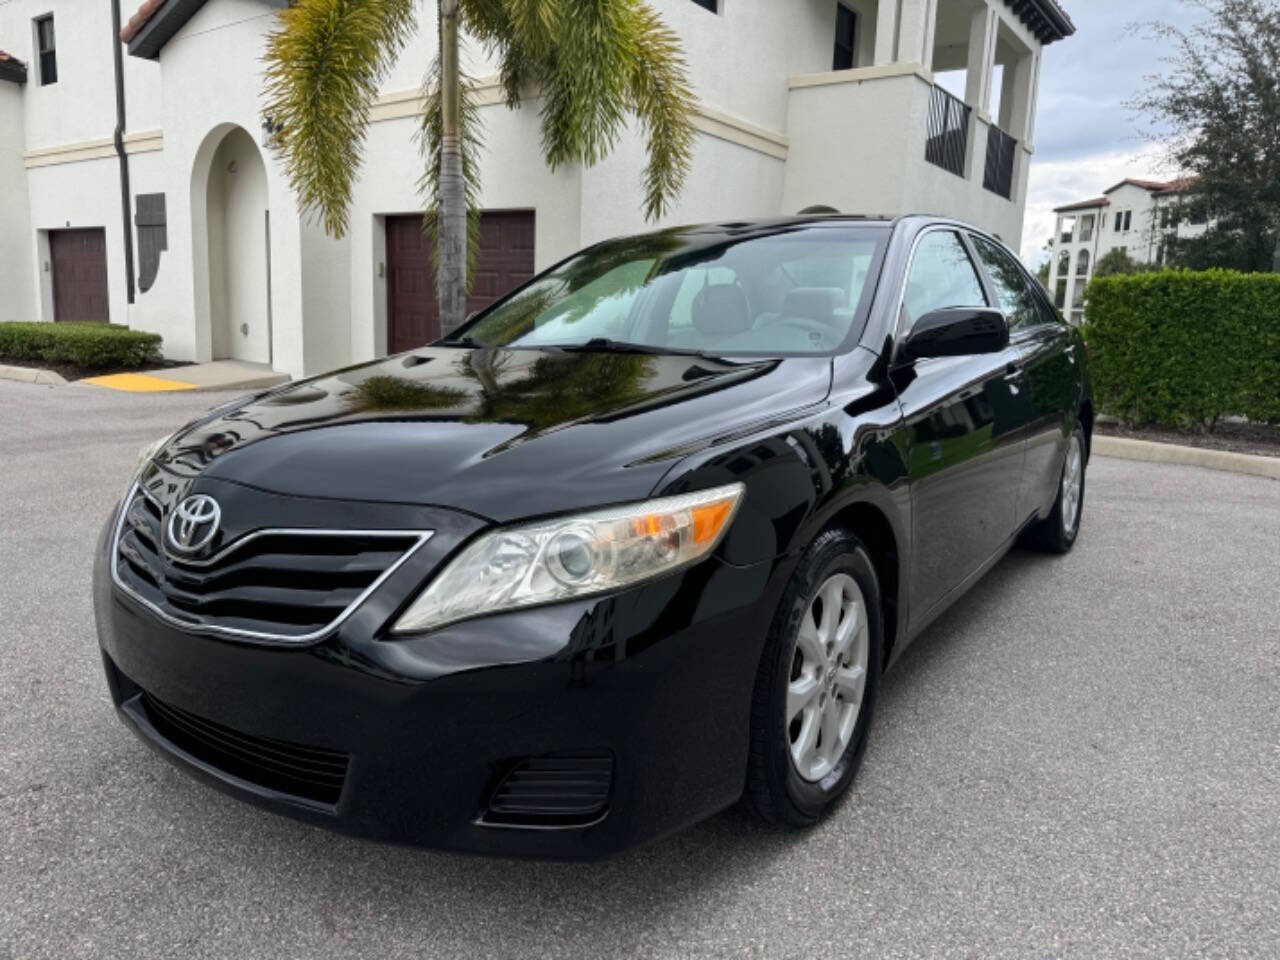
138, 383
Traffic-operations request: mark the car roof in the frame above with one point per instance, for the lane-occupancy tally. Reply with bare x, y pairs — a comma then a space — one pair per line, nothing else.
764, 225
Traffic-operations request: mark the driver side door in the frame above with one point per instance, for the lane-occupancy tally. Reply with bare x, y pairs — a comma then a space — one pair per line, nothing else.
964, 431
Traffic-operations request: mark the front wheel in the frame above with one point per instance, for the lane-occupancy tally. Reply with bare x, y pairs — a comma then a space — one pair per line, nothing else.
817, 684
1057, 532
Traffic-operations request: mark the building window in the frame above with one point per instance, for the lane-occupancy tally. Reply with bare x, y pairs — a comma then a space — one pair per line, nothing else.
1086, 228
711, 5
45, 47
1068, 231
846, 34
1119, 220
1082, 264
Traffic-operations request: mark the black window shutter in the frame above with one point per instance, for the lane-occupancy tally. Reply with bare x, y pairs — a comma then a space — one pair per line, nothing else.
153, 237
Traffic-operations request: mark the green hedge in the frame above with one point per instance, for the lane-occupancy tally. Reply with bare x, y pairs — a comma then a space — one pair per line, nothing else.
93, 346
1180, 348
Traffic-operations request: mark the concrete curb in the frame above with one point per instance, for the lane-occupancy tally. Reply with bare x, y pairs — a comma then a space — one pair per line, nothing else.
31, 375
1188, 456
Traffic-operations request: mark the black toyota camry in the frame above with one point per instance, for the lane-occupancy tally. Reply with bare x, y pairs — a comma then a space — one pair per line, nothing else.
634, 543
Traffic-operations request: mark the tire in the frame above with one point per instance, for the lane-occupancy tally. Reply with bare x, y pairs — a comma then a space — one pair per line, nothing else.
777, 789
1057, 532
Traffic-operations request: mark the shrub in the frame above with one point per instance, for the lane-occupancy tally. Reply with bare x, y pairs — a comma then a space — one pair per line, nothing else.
1180, 348
92, 346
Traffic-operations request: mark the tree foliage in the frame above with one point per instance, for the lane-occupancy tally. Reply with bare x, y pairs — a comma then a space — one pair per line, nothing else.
1116, 262
594, 63
1218, 109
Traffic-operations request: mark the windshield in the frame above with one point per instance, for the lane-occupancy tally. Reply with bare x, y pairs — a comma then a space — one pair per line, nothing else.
776, 291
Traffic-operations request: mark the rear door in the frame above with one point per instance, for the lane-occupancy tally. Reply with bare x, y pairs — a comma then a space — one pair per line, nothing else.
1051, 375
964, 421
78, 264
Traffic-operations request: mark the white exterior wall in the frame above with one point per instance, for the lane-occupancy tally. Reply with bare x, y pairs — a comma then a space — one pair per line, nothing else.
771, 141
17, 274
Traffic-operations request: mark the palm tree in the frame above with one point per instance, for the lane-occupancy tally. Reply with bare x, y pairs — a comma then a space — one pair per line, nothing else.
594, 63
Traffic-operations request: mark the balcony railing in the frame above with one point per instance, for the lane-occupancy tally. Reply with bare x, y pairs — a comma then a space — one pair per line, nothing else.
948, 131
998, 175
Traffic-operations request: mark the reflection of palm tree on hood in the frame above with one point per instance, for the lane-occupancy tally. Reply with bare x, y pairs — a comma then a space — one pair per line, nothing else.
560, 388
387, 393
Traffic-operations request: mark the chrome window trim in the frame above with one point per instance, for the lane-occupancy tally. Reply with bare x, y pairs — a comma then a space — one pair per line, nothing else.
256, 636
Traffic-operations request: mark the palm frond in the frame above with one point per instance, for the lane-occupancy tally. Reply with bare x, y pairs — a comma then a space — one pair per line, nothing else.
584, 82
323, 66
429, 137
595, 63
663, 101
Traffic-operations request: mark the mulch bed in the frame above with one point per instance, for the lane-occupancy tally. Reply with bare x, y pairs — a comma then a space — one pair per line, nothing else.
70, 371
1256, 438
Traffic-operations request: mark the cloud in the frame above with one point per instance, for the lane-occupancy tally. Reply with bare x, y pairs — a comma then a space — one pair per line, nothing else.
1086, 139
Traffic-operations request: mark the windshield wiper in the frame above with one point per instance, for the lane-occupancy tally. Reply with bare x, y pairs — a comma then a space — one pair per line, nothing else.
464, 341
606, 345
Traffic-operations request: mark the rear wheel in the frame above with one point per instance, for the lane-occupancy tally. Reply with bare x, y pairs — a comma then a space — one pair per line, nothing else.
1057, 532
816, 685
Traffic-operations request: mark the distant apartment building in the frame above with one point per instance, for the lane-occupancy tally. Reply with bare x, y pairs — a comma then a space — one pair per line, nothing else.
139, 185
1136, 216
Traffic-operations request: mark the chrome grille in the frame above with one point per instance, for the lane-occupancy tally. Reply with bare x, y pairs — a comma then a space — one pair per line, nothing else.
274, 585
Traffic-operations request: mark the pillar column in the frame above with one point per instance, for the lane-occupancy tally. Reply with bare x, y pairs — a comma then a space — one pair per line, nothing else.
916, 30
981, 63
886, 32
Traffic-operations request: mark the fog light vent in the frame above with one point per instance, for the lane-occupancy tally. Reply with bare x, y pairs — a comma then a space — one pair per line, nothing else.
565, 789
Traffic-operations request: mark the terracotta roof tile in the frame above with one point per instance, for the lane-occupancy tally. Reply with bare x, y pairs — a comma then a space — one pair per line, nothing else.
140, 18
1180, 185
1152, 185
10, 58
1083, 205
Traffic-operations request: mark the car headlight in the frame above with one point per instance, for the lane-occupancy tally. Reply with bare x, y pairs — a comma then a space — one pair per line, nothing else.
574, 556
148, 452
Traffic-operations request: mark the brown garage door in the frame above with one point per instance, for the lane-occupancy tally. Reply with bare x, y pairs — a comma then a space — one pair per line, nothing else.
505, 262
78, 262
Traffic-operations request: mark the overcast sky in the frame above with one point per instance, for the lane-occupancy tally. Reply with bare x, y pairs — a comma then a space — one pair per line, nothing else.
1086, 140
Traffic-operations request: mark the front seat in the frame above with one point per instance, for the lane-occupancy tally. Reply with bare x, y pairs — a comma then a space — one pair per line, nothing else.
813, 303
721, 310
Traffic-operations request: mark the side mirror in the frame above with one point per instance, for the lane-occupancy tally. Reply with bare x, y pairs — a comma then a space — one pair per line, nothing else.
956, 332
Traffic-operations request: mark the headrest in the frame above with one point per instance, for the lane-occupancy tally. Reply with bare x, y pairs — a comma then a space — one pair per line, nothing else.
721, 308
814, 303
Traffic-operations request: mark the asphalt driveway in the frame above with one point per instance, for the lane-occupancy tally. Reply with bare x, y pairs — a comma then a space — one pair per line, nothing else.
1081, 760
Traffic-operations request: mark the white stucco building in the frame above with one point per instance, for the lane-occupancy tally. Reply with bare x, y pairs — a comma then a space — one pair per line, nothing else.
1134, 216
801, 102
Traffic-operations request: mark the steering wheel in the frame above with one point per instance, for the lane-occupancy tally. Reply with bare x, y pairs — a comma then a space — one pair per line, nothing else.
810, 327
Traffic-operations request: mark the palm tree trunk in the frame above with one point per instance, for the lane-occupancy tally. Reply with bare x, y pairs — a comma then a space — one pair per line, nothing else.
451, 227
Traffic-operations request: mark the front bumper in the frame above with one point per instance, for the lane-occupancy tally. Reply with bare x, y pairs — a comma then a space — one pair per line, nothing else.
658, 678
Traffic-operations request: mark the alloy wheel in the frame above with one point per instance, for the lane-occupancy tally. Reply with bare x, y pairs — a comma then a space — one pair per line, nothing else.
828, 677
1072, 483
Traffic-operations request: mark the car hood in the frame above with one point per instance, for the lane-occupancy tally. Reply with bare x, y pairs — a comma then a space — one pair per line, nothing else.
499, 433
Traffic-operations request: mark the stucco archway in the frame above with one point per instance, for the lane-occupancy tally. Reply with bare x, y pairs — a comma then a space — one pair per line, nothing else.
230, 242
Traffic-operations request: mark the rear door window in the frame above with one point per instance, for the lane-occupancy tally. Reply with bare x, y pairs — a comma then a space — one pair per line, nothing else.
1021, 306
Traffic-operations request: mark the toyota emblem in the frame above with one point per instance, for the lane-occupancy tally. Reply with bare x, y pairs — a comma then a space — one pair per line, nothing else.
194, 523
